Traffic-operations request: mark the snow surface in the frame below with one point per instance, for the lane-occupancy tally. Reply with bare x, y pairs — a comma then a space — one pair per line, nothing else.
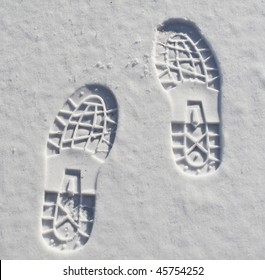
146, 208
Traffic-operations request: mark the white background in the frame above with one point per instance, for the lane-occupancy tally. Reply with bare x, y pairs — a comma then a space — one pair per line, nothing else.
217, 270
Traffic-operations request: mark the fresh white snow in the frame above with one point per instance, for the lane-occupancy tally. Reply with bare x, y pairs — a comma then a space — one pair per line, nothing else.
146, 206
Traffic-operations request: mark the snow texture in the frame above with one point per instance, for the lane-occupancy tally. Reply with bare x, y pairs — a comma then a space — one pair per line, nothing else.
146, 206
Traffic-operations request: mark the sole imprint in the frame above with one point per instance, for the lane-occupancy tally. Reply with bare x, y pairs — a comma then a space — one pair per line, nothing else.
188, 71
79, 141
